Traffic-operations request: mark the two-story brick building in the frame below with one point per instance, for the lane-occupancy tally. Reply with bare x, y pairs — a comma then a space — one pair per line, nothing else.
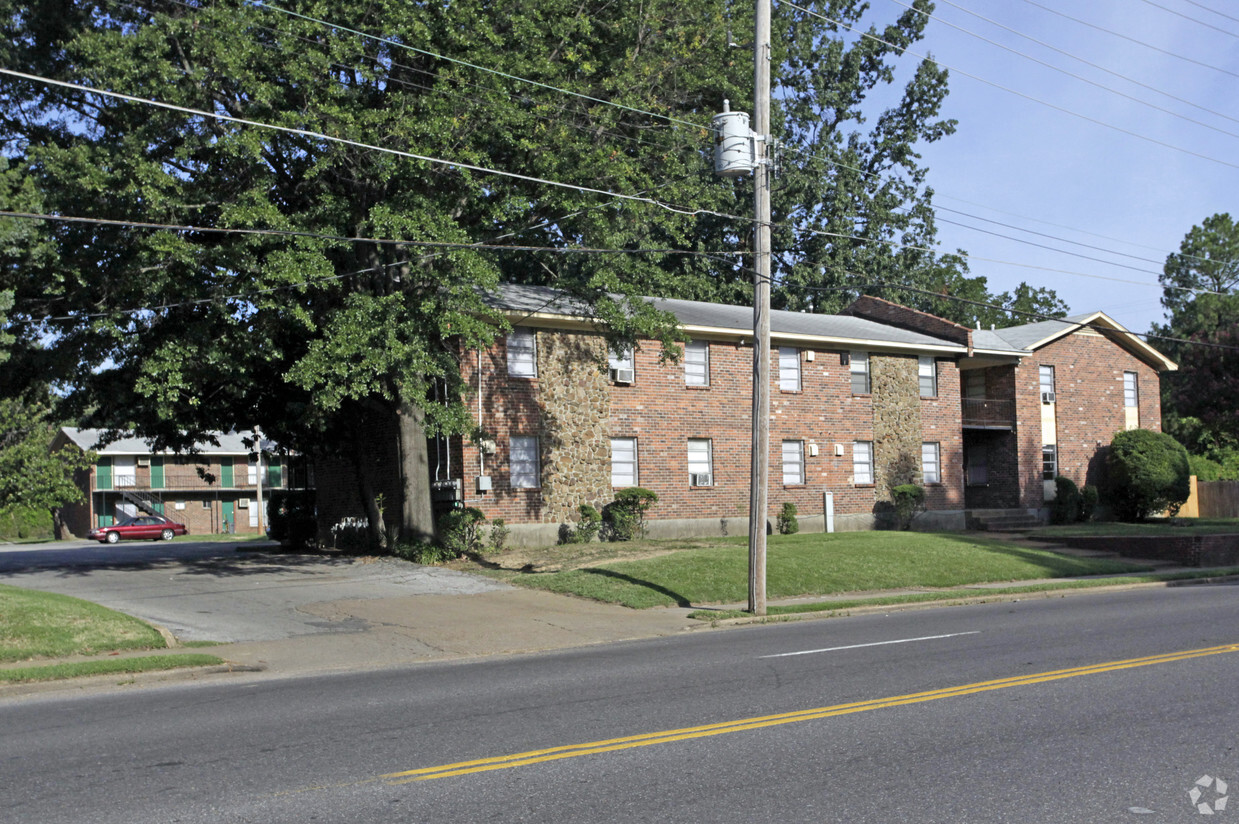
860, 402
220, 488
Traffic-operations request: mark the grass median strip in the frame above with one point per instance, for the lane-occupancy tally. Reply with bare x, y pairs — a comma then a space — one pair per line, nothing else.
815, 564
43, 625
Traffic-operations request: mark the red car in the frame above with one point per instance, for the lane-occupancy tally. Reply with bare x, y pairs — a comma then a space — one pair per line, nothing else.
137, 528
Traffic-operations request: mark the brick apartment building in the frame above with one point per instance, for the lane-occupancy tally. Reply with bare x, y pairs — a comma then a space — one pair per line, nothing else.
860, 402
214, 491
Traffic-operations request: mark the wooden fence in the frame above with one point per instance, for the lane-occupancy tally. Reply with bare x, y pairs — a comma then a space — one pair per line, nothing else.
1212, 499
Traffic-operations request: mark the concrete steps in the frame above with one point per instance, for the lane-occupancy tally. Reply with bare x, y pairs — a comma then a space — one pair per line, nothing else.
1001, 520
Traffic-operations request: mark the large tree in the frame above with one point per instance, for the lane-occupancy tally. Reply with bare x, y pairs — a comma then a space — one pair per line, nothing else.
320, 337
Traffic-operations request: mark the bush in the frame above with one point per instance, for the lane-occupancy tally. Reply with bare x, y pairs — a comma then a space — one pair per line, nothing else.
291, 518
23, 522
789, 524
1088, 502
624, 518
1203, 468
1149, 473
421, 552
1066, 506
909, 501
589, 526
499, 534
459, 533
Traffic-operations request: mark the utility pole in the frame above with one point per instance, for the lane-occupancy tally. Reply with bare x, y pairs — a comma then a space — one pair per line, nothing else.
760, 469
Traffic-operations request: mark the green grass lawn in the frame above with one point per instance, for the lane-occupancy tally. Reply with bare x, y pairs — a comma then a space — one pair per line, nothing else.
814, 564
36, 626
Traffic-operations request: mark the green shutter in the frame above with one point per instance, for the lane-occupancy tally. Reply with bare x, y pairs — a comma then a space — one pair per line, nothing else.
103, 475
226, 474
157, 473
275, 476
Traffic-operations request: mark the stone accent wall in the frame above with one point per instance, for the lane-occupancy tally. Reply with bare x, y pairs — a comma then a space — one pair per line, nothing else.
575, 405
896, 423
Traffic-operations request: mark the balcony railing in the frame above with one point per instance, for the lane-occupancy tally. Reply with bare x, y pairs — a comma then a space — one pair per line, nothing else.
186, 480
988, 413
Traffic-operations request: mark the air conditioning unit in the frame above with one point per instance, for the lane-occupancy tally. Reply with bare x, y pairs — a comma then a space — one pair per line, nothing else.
144, 461
243, 503
623, 375
700, 479
1047, 397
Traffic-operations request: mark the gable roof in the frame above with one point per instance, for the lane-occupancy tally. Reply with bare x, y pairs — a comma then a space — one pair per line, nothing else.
1029, 337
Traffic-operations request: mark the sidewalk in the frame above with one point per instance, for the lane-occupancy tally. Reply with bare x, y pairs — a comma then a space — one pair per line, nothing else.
378, 633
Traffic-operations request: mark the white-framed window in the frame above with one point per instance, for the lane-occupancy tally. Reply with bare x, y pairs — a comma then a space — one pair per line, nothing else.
862, 462
789, 369
697, 363
927, 375
793, 463
623, 462
700, 462
1047, 378
860, 372
622, 365
1049, 462
523, 462
1131, 394
931, 466
974, 384
522, 353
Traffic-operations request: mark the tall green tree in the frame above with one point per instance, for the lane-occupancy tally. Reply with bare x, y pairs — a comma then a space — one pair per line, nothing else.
323, 339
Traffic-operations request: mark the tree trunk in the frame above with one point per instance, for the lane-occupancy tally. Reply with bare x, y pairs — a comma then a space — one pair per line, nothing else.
59, 531
363, 462
417, 521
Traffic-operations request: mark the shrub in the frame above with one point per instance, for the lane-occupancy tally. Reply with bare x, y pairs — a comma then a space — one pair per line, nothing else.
1066, 506
499, 534
422, 552
588, 527
1088, 502
1149, 473
789, 524
1203, 468
291, 518
460, 532
24, 522
909, 501
624, 518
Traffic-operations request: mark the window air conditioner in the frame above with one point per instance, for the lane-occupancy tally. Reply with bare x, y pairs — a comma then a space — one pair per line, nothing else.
144, 461
1047, 397
622, 375
700, 479
243, 503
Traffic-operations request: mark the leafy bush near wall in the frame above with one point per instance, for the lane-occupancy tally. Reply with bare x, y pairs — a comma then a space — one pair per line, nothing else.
1089, 496
499, 534
589, 526
624, 518
789, 524
1148, 473
1203, 468
20, 523
909, 501
460, 531
1067, 501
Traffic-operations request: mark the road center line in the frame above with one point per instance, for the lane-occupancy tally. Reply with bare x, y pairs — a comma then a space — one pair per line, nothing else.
873, 644
523, 759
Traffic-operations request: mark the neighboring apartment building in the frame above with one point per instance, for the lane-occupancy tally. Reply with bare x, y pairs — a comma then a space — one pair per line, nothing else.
860, 402
217, 490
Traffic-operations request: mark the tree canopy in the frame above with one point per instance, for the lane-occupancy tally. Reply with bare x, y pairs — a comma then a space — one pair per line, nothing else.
327, 182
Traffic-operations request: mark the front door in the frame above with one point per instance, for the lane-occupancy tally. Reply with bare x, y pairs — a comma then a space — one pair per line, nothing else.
230, 523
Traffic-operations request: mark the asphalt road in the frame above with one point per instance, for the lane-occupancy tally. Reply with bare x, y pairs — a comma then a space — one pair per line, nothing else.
205, 591
1095, 708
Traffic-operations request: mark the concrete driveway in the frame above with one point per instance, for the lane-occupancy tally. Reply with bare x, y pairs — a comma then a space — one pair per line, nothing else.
225, 592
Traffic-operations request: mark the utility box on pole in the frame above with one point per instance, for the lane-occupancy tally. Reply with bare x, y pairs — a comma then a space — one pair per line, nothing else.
735, 144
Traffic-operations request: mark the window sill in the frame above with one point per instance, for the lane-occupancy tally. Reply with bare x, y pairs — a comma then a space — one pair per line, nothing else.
696, 386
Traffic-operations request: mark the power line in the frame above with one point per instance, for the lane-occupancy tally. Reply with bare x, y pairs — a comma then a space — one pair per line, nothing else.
1010, 90
1086, 62
1213, 11
1188, 17
1157, 49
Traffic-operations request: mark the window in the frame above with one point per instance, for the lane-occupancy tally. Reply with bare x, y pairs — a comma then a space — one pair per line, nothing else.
1047, 379
793, 463
522, 353
700, 462
523, 462
977, 469
1049, 462
927, 372
931, 469
1131, 397
697, 363
124, 471
974, 384
622, 365
860, 373
789, 369
623, 462
862, 462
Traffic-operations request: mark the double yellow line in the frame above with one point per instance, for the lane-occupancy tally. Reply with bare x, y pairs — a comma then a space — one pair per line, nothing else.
525, 759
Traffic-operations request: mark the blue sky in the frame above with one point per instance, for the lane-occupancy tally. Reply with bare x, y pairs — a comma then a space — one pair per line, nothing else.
1023, 163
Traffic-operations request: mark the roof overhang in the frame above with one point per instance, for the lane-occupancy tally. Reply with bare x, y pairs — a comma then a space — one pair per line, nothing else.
1105, 325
